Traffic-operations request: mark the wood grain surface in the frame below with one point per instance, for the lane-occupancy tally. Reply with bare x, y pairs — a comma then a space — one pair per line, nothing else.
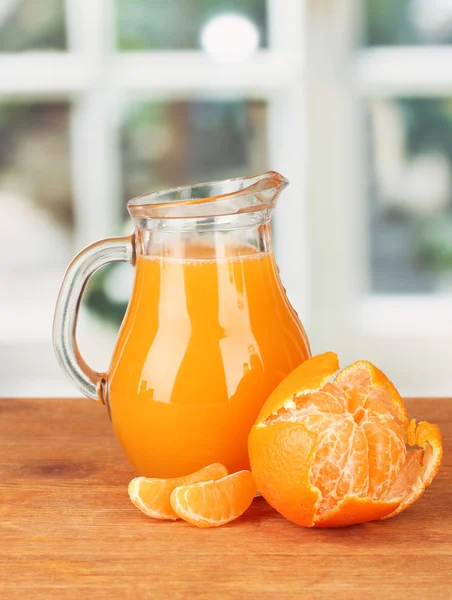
68, 529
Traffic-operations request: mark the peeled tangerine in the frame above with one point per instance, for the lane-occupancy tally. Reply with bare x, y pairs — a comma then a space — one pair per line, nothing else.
328, 453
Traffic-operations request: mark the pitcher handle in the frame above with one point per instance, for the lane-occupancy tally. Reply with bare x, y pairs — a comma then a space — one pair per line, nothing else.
90, 259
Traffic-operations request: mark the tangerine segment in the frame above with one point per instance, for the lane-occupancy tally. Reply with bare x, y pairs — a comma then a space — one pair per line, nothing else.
340, 465
281, 459
409, 473
386, 452
421, 466
352, 510
370, 401
152, 496
310, 376
214, 503
330, 399
363, 374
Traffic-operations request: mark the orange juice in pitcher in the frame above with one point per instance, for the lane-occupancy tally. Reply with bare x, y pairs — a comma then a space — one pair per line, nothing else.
208, 333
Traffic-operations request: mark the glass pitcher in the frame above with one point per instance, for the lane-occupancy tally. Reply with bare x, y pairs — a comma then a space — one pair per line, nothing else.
208, 333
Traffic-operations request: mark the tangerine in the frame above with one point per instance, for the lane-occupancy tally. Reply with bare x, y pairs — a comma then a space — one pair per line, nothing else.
331, 452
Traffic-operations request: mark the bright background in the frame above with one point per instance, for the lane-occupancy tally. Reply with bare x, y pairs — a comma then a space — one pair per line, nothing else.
102, 100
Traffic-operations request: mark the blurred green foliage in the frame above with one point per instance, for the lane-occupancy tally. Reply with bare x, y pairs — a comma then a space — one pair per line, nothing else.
385, 22
434, 244
397, 22
428, 125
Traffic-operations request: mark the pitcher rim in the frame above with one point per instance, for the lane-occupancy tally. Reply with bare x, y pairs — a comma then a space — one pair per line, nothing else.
262, 182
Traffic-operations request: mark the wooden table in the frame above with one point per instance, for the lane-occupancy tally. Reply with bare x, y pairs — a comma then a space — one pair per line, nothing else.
68, 529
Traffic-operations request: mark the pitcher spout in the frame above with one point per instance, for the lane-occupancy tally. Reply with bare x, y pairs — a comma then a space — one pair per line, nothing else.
270, 180
212, 199
266, 188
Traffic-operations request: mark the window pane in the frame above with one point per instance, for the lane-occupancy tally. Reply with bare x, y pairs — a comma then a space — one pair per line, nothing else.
392, 22
178, 24
167, 144
35, 185
32, 25
411, 194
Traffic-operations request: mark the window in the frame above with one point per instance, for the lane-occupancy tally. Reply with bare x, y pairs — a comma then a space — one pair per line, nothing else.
350, 100
410, 190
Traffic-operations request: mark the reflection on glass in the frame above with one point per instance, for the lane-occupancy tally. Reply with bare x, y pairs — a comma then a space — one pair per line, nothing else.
32, 25
398, 22
167, 144
179, 24
411, 195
